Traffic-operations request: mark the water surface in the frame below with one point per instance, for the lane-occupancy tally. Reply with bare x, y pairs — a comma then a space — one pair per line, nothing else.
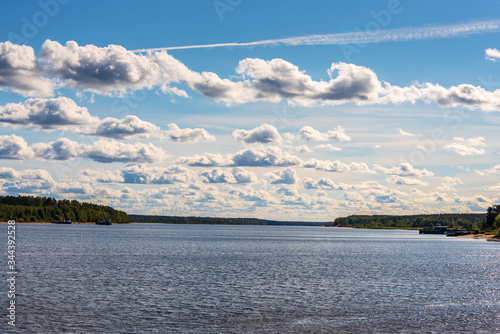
156, 278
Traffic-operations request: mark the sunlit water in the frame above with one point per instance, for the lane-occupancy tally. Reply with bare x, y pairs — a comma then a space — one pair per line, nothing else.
155, 278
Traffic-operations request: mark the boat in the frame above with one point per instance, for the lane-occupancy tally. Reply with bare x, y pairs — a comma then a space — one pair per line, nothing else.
456, 233
106, 221
67, 221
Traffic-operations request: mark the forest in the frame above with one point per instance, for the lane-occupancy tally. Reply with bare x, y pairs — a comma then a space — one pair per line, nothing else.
470, 221
47, 209
214, 221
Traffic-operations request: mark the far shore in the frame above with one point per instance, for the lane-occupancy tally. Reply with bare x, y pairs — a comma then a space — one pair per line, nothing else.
490, 237
477, 236
17, 222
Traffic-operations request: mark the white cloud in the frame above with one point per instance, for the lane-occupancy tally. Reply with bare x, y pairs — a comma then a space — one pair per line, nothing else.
404, 180
260, 198
92, 175
128, 126
404, 169
494, 170
495, 187
310, 133
61, 149
323, 183
35, 174
106, 151
262, 157
466, 147
263, 134
59, 113
115, 70
14, 147
143, 174
20, 71
63, 113
243, 176
303, 149
27, 182
188, 135
406, 134
111, 69
338, 166
492, 54
448, 183
327, 147
251, 157
284, 176
236, 175
206, 159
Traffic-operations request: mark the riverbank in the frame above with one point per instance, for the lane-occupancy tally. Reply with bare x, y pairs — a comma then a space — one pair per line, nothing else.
490, 237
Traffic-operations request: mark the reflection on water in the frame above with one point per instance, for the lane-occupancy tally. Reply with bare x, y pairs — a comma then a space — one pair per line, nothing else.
148, 278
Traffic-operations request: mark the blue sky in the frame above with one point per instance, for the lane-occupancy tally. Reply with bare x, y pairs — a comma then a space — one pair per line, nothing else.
312, 127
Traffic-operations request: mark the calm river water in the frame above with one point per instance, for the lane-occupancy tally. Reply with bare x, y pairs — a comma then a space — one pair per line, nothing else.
155, 278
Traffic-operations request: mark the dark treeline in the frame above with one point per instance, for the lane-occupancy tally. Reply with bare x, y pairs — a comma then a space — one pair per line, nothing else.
46, 209
468, 221
214, 221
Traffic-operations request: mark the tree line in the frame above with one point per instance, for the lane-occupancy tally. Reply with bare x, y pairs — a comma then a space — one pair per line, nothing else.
47, 209
468, 221
213, 220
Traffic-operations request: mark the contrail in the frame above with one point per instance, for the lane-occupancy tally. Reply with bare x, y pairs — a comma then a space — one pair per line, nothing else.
361, 37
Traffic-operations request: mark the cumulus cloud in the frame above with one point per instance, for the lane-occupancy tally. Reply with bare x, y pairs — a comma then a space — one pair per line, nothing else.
338, 166
207, 159
310, 133
323, 183
29, 181
404, 180
465, 147
492, 54
263, 157
62, 149
14, 147
251, 157
188, 135
122, 128
143, 174
115, 70
92, 175
263, 134
109, 69
107, 151
448, 183
63, 113
405, 169
284, 176
21, 72
326, 183
235, 175
277, 79
47, 114
35, 174
260, 198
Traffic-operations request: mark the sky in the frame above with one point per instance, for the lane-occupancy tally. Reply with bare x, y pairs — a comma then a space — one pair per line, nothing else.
286, 110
